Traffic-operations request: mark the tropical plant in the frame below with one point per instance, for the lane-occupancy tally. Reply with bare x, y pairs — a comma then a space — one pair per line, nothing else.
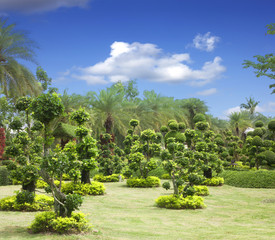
250, 105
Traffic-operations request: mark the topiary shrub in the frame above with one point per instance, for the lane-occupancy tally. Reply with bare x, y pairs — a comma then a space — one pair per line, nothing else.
250, 179
47, 222
201, 190
94, 188
259, 123
41, 203
111, 178
199, 117
165, 176
166, 185
4, 176
149, 182
180, 202
215, 181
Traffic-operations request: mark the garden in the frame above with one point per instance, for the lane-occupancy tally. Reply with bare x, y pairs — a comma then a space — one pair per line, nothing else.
114, 166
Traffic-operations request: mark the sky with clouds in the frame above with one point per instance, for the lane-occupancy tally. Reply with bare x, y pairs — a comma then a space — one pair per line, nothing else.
179, 48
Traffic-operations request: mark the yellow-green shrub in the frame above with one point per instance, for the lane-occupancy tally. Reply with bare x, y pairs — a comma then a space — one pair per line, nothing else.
179, 202
41, 203
215, 181
111, 178
148, 182
95, 188
47, 222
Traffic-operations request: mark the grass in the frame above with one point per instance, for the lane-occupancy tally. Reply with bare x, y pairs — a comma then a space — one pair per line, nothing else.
129, 213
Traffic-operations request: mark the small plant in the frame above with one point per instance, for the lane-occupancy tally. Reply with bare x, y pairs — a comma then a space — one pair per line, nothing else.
166, 185
24, 197
94, 188
148, 182
215, 181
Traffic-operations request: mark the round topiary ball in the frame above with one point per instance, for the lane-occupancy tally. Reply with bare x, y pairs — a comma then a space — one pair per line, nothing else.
269, 157
259, 123
164, 129
258, 132
182, 125
271, 125
199, 117
202, 125
257, 141
134, 122
174, 126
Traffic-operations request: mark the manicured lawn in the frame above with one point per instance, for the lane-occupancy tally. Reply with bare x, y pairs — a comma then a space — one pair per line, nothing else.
127, 213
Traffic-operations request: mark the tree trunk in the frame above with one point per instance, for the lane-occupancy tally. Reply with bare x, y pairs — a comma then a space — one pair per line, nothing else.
85, 176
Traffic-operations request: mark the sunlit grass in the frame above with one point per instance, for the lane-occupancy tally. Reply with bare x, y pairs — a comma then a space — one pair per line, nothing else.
129, 213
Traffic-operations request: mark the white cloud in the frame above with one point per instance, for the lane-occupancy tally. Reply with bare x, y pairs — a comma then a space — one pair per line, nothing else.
232, 110
207, 92
29, 6
147, 61
205, 42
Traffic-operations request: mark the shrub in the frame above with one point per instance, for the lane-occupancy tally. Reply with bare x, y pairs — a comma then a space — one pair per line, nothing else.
4, 176
47, 222
41, 184
111, 178
41, 203
215, 181
166, 185
179, 202
201, 190
165, 176
93, 188
25, 197
149, 182
250, 179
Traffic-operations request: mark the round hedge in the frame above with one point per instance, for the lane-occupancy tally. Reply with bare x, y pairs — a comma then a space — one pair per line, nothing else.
149, 182
249, 179
199, 117
259, 123
271, 125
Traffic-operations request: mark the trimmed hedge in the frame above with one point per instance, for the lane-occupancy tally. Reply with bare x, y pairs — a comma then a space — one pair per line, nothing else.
4, 176
149, 182
41, 203
180, 202
47, 222
215, 181
95, 188
250, 179
111, 178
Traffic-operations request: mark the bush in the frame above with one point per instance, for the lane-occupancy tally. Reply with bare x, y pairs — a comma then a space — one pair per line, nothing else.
215, 181
165, 176
25, 197
4, 176
250, 179
179, 202
149, 182
94, 188
41, 203
111, 178
166, 185
47, 222
201, 190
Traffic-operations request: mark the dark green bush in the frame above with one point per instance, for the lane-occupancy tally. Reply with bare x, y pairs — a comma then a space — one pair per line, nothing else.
41, 203
215, 181
111, 178
47, 222
179, 202
25, 197
166, 185
4, 176
250, 179
94, 188
149, 182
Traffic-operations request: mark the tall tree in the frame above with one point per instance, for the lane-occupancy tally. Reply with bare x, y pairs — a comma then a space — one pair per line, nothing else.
265, 65
250, 105
15, 79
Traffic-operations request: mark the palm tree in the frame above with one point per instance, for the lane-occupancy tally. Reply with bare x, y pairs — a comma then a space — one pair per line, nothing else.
250, 105
15, 79
192, 106
239, 121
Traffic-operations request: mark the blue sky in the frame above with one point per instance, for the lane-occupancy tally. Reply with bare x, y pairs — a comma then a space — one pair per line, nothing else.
179, 48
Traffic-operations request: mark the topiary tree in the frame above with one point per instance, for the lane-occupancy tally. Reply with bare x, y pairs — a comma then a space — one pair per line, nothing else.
271, 127
87, 146
142, 152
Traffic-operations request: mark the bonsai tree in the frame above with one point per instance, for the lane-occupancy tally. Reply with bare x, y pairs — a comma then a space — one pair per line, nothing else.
87, 146
271, 127
142, 152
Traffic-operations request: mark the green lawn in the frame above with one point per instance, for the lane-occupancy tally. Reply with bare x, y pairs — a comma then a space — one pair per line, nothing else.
126, 213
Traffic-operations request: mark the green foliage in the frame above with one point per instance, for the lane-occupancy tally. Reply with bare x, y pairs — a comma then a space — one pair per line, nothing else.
47, 107
257, 141
81, 132
165, 176
202, 126
149, 182
166, 185
4, 176
179, 202
158, 172
259, 123
42, 77
37, 126
110, 178
94, 188
271, 125
134, 123
214, 181
269, 157
24, 197
199, 117
41, 203
23, 103
164, 129
72, 202
48, 222
250, 179
80, 116
174, 126
16, 124
201, 190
